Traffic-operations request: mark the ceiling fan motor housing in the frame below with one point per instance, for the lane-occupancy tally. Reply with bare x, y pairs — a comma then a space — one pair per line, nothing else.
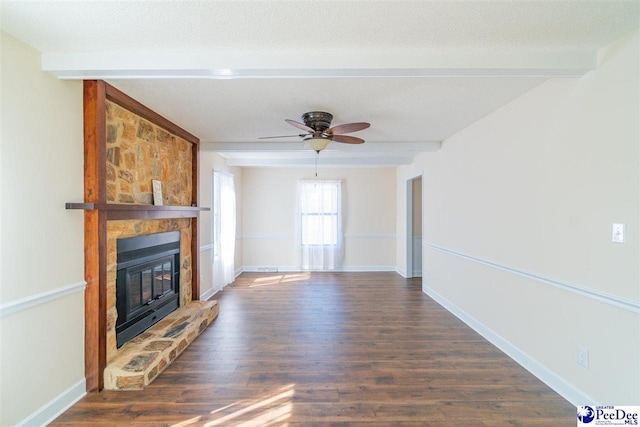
319, 121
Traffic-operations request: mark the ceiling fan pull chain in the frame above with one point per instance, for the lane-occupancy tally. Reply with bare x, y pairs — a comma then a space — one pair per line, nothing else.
317, 155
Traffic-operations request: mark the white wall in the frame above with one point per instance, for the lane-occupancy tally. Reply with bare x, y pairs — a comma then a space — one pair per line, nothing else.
41, 243
518, 213
269, 199
208, 162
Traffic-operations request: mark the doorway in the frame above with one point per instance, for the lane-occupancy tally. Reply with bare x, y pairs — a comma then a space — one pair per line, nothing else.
413, 236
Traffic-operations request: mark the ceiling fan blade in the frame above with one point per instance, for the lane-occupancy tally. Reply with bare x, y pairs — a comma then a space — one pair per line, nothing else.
348, 128
347, 139
283, 136
299, 125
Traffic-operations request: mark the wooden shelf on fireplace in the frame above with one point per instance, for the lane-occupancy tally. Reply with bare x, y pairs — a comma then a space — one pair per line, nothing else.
116, 211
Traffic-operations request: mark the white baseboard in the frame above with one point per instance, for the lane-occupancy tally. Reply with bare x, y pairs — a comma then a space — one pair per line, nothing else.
401, 271
294, 269
372, 268
208, 294
57, 406
267, 269
211, 292
540, 371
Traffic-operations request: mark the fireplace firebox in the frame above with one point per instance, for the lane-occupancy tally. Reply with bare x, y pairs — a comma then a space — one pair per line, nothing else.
147, 282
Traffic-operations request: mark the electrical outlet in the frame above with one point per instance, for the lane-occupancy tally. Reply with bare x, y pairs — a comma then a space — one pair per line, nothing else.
583, 357
618, 232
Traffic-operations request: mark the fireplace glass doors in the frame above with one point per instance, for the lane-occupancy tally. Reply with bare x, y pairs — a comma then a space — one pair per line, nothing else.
147, 282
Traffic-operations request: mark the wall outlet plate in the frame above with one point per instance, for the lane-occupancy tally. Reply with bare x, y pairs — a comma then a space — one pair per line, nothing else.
618, 232
583, 357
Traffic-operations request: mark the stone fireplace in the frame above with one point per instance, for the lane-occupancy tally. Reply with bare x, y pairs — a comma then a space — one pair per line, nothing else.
137, 152
127, 146
119, 230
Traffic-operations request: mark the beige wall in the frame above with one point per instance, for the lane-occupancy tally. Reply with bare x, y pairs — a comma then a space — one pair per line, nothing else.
269, 200
41, 243
517, 231
416, 216
208, 162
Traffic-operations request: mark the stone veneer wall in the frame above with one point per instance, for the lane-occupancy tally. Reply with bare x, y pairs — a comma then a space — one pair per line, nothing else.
138, 151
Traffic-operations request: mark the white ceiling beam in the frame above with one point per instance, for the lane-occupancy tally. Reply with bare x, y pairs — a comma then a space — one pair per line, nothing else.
283, 154
323, 162
402, 63
297, 146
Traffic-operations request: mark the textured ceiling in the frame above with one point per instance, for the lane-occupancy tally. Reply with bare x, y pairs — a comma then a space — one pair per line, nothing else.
282, 25
232, 71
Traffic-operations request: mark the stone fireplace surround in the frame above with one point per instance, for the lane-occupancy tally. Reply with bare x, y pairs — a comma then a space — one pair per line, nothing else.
126, 146
130, 228
138, 151
138, 362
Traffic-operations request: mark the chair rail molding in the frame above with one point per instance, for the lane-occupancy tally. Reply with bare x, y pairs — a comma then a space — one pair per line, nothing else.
614, 300
30, 301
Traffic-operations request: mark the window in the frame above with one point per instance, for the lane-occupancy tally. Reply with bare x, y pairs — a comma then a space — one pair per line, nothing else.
224, 228
319, 213
320, 224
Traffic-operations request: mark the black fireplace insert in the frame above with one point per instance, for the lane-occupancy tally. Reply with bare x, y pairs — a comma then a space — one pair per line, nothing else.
147, 282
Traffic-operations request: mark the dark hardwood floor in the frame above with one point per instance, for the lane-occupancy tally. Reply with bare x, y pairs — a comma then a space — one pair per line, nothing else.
333, 349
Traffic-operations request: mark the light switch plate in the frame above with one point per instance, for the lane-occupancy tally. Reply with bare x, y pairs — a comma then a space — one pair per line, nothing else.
618, 233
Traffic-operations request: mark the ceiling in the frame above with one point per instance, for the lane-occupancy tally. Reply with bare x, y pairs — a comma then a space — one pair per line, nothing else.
231, 71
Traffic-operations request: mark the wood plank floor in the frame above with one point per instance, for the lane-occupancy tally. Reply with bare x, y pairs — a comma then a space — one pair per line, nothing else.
333, 349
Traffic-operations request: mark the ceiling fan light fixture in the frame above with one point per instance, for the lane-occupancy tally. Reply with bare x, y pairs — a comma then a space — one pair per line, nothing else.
319, 133
317, 143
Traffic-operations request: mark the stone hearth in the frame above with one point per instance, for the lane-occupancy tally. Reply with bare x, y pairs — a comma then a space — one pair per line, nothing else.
141, 360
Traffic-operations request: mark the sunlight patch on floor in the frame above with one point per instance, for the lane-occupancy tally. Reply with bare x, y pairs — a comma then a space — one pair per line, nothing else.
189, 422
260, 412
280, 278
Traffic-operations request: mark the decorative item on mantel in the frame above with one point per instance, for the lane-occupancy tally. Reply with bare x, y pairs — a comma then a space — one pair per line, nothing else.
157, 192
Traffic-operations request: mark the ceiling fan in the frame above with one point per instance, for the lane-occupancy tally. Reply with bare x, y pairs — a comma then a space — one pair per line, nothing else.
320, 134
